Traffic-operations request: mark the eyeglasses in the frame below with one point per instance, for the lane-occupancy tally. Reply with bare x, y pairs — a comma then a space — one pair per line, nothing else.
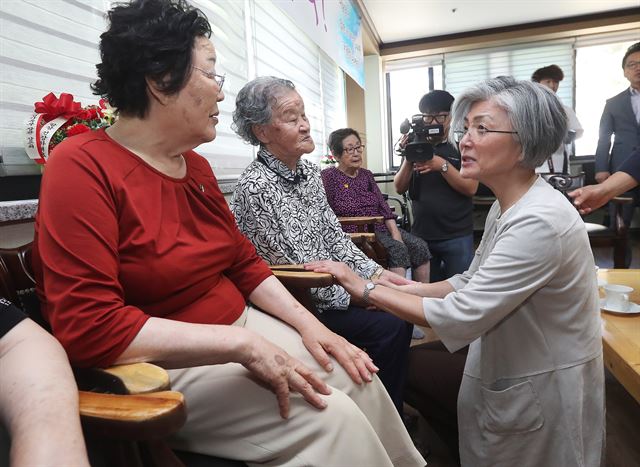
631, 65
429, 119
219, 79
352, 150
477, 132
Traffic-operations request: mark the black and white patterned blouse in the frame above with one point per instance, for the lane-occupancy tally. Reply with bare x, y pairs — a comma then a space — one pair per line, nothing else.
286, 216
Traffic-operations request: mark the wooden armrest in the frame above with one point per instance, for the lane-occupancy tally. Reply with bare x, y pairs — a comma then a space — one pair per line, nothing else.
287, 267
141, 378
366, 236
135, 417
361, 220
134, 378
299, 281
303, 279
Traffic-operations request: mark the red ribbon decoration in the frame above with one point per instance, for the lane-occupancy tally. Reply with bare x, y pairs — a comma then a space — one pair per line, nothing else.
51, 107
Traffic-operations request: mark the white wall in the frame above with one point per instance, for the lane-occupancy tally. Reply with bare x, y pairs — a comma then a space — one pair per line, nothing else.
374, 113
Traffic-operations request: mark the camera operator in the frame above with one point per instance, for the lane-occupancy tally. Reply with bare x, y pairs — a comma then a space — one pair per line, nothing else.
441, 197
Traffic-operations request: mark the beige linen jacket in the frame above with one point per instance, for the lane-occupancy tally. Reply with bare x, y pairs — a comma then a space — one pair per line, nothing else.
532, 392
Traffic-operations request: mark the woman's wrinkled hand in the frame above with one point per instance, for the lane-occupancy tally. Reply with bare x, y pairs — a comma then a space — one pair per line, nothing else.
283, 374
323, 343
343, 273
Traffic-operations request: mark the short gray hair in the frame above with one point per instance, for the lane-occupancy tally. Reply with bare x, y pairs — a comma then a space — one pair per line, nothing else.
254, 104
534, 112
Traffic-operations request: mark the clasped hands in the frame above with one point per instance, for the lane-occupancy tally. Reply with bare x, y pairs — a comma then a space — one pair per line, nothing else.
353, 283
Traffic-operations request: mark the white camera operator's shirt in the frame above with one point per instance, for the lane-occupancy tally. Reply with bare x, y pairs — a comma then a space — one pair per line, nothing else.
558, 156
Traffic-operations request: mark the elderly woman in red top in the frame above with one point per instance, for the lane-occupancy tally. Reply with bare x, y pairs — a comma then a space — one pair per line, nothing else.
352, 191
138, 258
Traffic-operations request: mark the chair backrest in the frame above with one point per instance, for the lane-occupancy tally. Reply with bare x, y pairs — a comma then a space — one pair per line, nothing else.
615, 236
365, 238
564, 182
17, 282
589, 169
403, 220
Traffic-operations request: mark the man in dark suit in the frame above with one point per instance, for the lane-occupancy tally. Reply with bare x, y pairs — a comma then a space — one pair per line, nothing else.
621, 117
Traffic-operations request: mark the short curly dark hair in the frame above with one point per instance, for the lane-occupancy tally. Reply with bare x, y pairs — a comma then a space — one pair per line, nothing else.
337, 137
553, 72
147, 39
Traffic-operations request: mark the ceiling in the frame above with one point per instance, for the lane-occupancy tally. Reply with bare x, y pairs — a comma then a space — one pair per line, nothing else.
401, 20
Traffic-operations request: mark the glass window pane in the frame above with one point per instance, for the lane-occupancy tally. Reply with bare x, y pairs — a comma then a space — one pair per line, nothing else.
406, 87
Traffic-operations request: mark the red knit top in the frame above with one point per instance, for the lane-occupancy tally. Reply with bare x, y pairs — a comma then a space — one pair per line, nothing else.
117, 242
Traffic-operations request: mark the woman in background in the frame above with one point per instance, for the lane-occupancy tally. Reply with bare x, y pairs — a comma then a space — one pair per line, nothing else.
280, 205
352, 191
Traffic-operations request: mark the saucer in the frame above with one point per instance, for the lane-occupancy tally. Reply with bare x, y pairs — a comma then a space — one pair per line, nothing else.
634, 308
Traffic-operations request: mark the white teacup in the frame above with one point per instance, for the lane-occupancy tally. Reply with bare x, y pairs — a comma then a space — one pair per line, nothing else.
617, 297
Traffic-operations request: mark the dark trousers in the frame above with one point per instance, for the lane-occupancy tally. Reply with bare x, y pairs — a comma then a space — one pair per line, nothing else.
433, 382
383, 336
450, 257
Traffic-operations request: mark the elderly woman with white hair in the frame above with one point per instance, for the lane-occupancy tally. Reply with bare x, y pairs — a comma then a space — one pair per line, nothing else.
280, 205
532, 391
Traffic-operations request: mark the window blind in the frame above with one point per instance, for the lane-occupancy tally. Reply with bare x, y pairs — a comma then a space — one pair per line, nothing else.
333, 99
227, 154
462, 69
52, 46
45, 47
275, 33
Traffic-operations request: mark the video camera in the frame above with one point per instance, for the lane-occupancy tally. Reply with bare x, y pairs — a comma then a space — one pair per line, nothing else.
421, 138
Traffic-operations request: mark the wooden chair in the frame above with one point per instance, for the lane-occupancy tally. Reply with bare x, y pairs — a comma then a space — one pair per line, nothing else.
404, 219
299, 282
564, 182
365, 237
616, 236
127, 411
